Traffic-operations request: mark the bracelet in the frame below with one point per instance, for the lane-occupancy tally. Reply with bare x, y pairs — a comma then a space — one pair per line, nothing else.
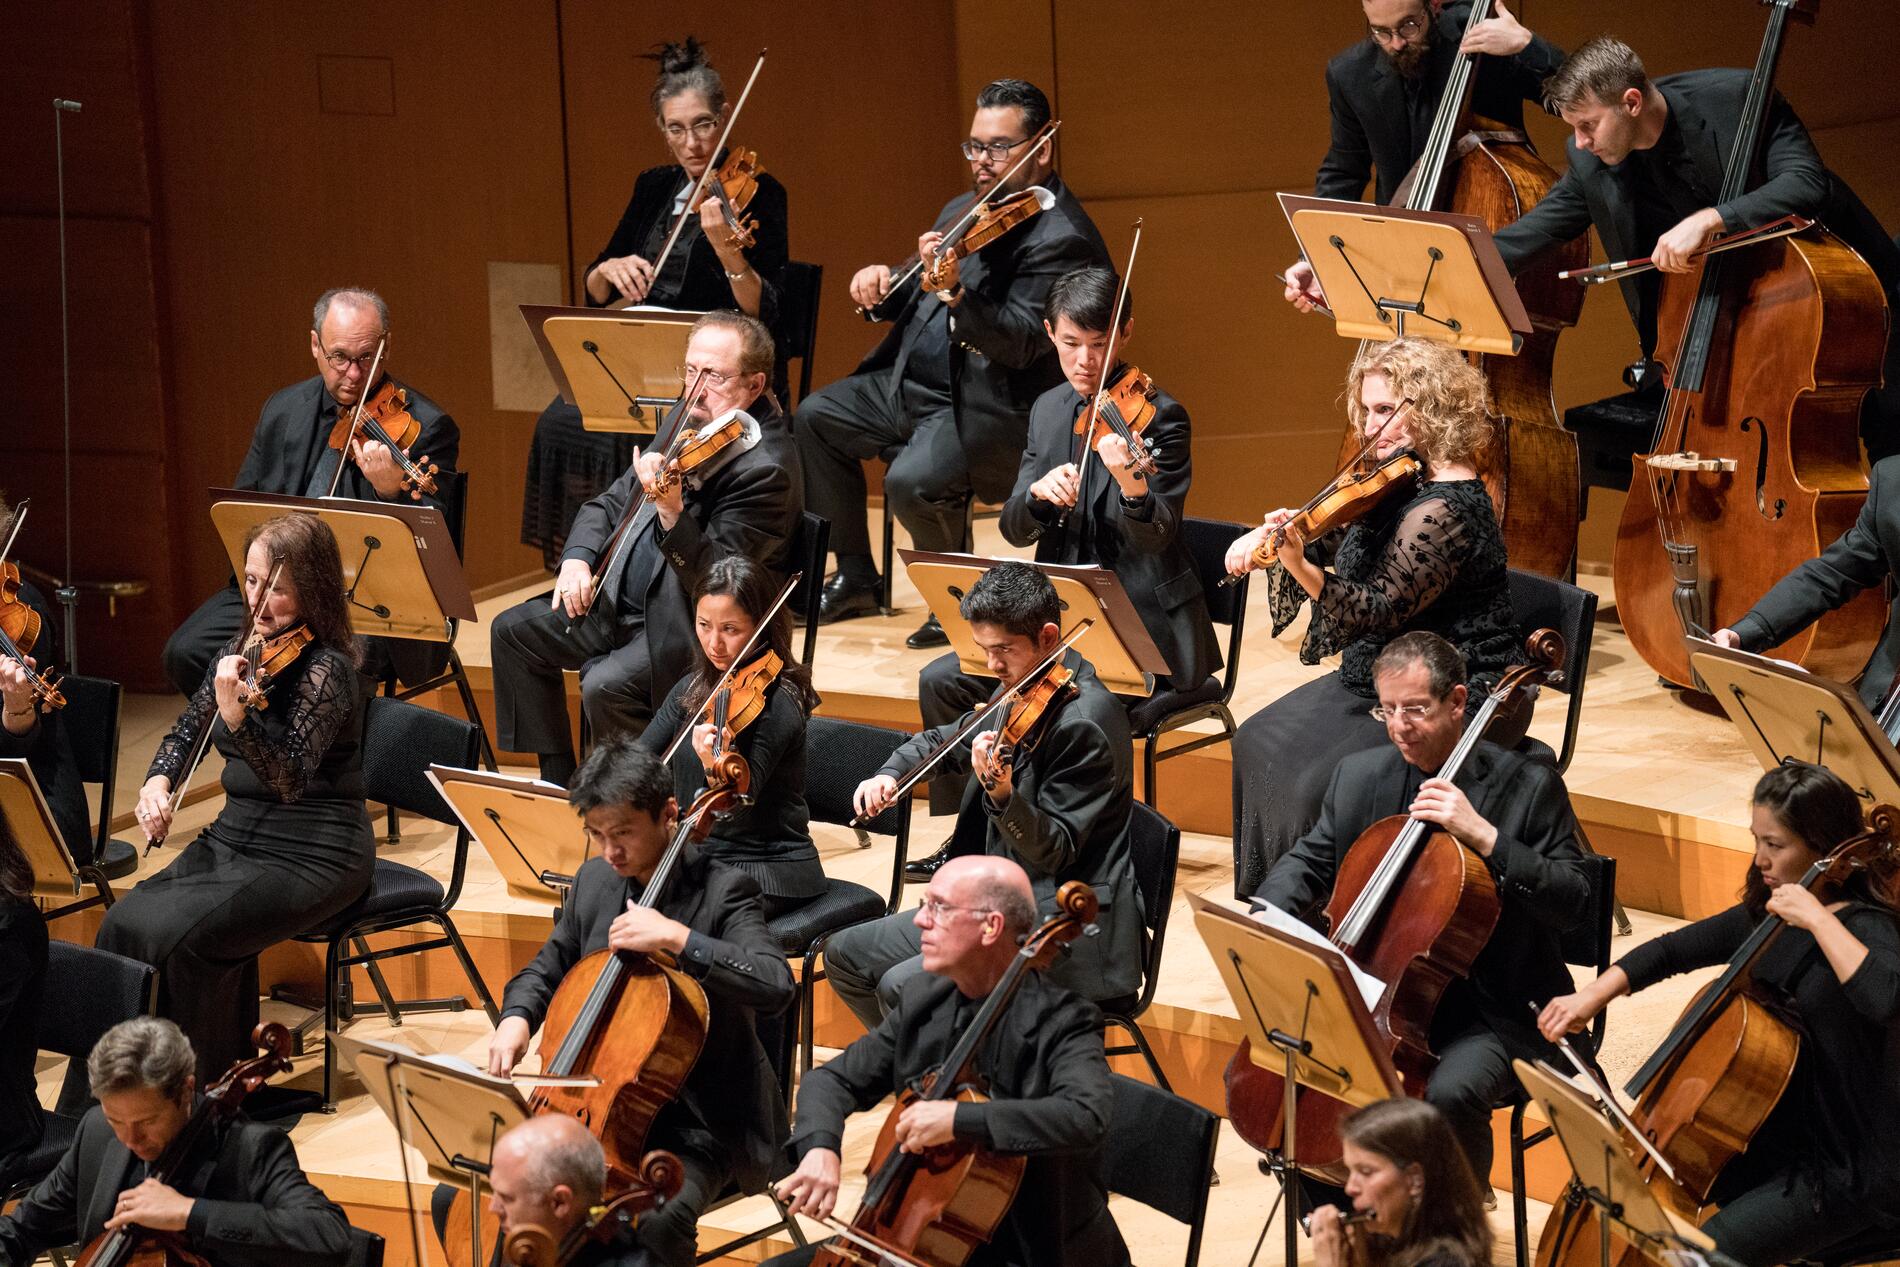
733, 277
28, 711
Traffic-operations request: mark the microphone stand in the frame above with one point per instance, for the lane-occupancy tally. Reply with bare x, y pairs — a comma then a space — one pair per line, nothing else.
68, 593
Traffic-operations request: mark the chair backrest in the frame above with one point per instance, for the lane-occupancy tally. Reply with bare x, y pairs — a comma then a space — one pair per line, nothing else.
799, 287
455, 509
1154, 846
1589, 943
810, 542
839, 756
1207, 541
400, 742
91, 719
95, 990
1160, 1151
366, 1249
1543, 602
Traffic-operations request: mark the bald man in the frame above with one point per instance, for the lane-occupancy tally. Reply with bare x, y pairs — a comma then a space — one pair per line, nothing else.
547, 1172
1048, 1081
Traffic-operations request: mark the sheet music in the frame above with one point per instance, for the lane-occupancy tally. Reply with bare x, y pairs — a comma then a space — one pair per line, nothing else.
1371, 989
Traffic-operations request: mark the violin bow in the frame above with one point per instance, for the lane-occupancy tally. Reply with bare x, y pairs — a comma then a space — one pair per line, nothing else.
356, 418
1108, 367
699, 186
725, 679
981, 715
1596, 275
975, 209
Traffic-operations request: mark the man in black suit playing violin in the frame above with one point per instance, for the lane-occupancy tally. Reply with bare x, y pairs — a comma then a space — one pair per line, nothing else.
1047, 1080
1513, 813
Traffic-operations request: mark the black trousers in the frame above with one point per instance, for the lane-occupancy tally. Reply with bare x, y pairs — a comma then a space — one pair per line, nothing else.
928, 483
1473, 1076
529, 646
207, 631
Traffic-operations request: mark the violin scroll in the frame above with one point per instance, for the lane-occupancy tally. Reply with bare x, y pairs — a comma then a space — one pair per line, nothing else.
529, 1245
1546, 650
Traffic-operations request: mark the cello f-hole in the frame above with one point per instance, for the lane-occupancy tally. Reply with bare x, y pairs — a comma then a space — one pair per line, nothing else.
1761, 471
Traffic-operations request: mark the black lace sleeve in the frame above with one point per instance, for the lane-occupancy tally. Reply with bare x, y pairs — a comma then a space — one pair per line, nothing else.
1285, 596
1422, 559
317, 708
175, 748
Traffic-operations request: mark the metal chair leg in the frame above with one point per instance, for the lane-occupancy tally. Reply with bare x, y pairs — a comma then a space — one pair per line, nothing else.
468, 968
390, 1007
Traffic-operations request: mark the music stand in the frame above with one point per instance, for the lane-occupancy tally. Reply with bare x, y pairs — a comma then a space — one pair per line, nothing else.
1118, 645
526, 826
1784, 712
615, 366
1301, 1000
1625, 1205
56, 876
1380, 266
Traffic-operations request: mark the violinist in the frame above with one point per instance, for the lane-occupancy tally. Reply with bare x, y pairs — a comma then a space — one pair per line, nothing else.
29, 729
769, 838
1513, 813
707, 269
1123, 520
1646, 168
1385, 90
1414, 1200
1823, 1172
22, 980
728, 1122
948, 390
290, 454
1059, 809
1050, 1096
547, 1172
1428, 557
291, 845
241, 1198
637, 630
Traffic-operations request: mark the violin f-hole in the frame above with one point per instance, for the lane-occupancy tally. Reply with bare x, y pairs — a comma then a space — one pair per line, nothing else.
1761, 471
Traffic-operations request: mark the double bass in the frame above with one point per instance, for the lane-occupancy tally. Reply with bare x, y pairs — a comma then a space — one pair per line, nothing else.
1755, 466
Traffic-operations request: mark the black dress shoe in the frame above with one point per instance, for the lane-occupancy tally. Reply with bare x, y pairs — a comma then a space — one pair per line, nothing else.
920, 871
845, 597
929, 634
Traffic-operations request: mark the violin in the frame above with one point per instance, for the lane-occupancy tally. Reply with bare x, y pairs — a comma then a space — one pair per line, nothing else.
995, 220
734, 707
20, 624
531, 1245
698, 447
383, 415
134, 1246
268, 660
733, 187
1123, 408
1026, 720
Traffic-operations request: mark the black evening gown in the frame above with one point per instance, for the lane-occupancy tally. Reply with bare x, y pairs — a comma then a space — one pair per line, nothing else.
22, 978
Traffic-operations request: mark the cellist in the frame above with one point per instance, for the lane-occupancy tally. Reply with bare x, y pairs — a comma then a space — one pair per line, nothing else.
1822, 1173
1050, 1096
728, 1122
1513, 813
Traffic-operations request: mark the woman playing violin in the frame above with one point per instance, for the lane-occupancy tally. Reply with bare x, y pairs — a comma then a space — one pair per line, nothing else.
292, 845
1823, 1172
1429, 557
1414, 1201
770, 838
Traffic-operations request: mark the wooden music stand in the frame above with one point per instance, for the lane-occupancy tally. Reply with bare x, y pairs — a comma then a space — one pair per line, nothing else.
619, 368
56, 877
1788, 713
1118, 646
1301, 1000
526, 826
1380, 266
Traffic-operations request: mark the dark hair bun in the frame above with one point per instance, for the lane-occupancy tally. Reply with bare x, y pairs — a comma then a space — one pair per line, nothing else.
677, 59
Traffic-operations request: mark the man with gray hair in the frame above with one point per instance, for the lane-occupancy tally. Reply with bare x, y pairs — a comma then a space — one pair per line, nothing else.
548, 1171
237, 1198
290, 454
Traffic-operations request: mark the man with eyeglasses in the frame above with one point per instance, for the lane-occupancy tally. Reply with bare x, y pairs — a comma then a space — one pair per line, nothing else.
1510, 810
945, 397
290, 455
1050, 1098
624, 618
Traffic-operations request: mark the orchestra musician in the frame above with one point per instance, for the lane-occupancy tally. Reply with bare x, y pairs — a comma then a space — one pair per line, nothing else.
291, 845
1046, 1078
728, 1122
1429, 557
1823, 1171
240, 1197
22, 981
1406, 1176
1510, 811
547, 1172
951, 384
568, 465
769, 837
1060, 810
639, 626
1115, 517
30, 730
290, 455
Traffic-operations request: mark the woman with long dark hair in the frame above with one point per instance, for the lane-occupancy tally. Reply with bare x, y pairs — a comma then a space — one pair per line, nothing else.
1824, 1169
1408, 1178
292, 845
770, 838
22, 973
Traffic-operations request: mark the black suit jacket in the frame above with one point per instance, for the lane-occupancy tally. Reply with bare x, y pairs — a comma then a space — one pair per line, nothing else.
1000, 356
1542, 886
1863, 557
1050, 1098
253, 1204
1376, 128
1141, 546
275, 463
749, 505
1790, 179
732, 1090
1067, 819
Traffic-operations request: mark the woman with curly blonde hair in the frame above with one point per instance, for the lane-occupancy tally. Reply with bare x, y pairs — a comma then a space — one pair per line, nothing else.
1431, 557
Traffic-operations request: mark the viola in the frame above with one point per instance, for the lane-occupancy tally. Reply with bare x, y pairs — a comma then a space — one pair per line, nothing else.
384, 417
1124, 408
697, 449
531, 1245
733, 187
1027, 719
997, 219
20, 623
268, 660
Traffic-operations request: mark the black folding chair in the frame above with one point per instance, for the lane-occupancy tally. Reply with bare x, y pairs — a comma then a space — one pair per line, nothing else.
1160, 1151
800, 285
91, 721
1154, 844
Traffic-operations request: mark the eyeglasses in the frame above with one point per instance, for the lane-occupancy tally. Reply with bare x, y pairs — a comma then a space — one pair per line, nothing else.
937, 910
997, 150
1404, 712
340, 361
700, 128
1406, 30
713, 377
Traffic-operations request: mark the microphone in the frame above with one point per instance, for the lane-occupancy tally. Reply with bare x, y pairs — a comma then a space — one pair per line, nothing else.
70, 107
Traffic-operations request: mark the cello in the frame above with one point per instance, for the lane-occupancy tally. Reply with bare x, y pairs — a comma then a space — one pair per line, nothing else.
1473, 166
1413, 907
1754, 466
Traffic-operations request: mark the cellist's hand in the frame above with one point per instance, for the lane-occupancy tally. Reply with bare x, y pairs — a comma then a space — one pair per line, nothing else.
703, 736
1500, 36
1303, 289
1442, 802
373, 458
1674, 248
643, 930
1797, 906
812, 1189
152, 1206
573, 588
1059, 487
1727, 638
508, 1045
926, 1124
